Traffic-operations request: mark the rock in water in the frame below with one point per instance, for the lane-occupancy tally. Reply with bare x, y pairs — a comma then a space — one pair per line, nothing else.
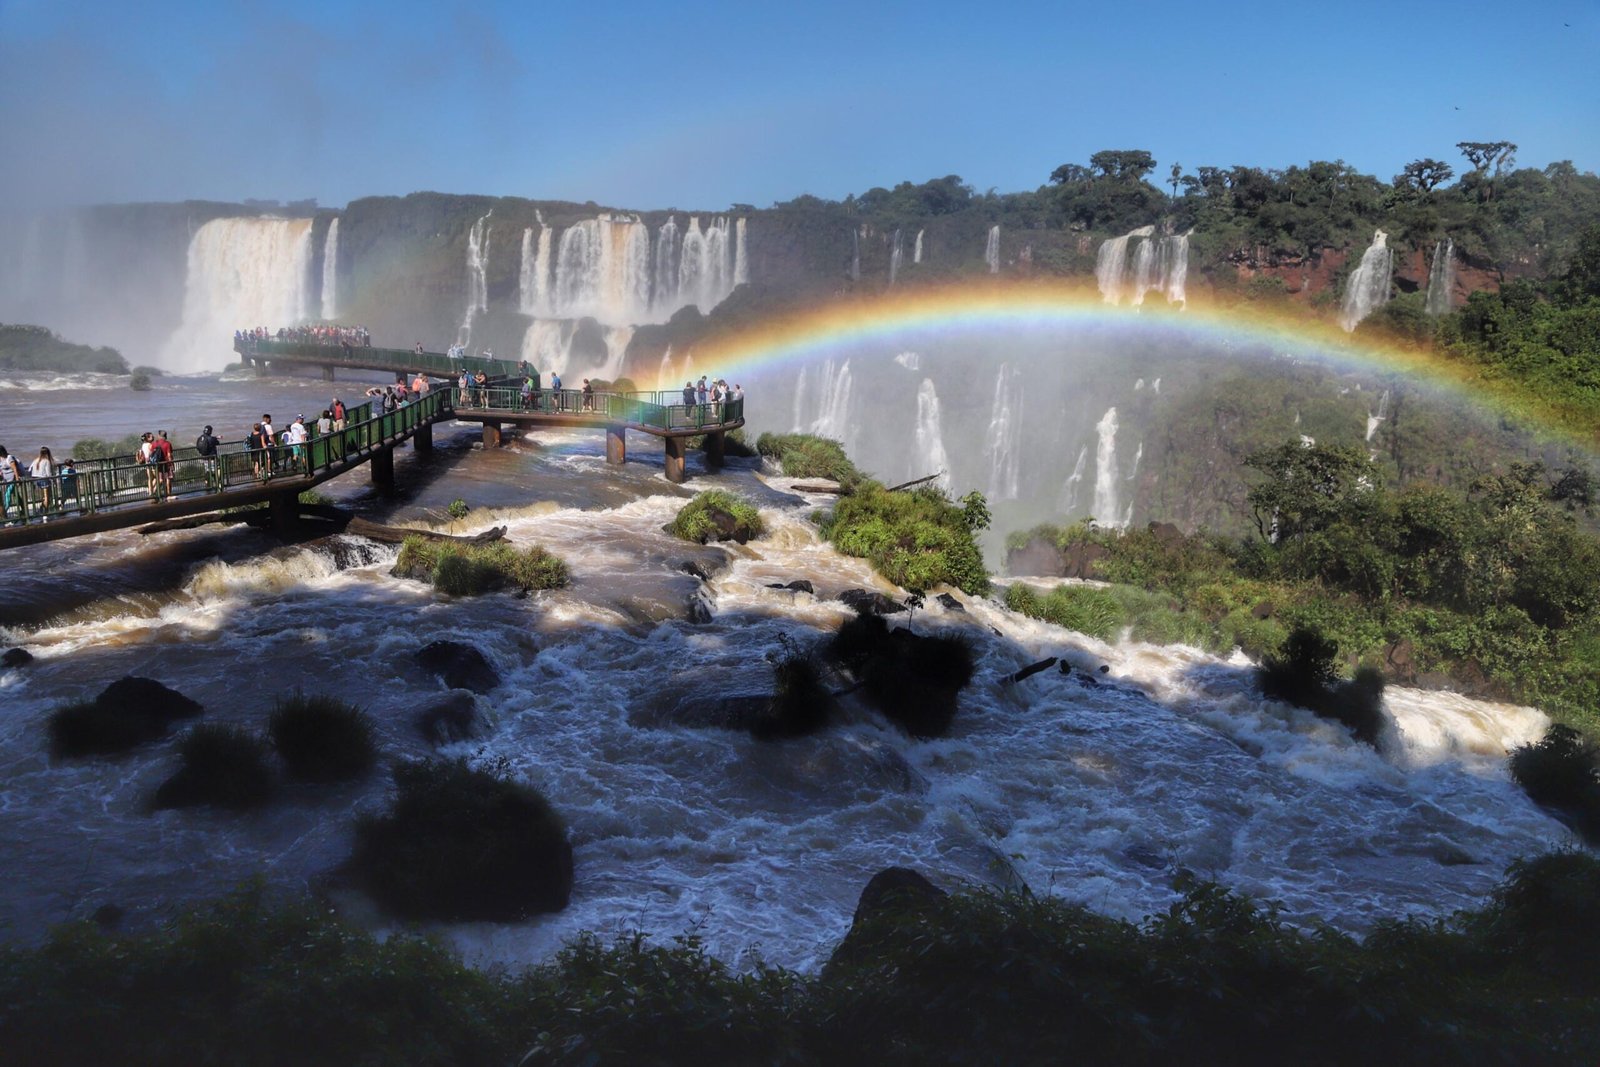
455, 718
461, 666
16, 657
127, 713
148, 698
950, 603
894, 893
799, 585
867, 602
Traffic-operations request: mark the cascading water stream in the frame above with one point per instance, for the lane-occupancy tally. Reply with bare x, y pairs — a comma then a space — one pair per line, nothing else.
1105, 471
916, 250
1368, 287
991, 250
477, 276
330, 273
1067, 502
896, 254
929, 442
1005, 435
1441, 278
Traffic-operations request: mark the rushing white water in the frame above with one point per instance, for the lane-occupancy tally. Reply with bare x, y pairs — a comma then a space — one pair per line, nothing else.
855, 254
1368, 286
1005, 435
547, 343
1070, 489
916, 249
896, 254
242, 272
477, 276
1098, 795
706, 271
1160, 265
603, 270
330, 273
833, 413
1105, 470
1376, 418
741, 260
991, 250
929, 443
909, 360
668, 253
1441, 278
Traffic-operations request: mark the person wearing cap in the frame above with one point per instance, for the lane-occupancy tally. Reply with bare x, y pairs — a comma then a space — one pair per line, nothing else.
206, 447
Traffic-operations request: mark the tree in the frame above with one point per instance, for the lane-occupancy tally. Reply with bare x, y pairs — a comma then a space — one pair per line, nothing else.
1071, 174
1308, 487
1174, 177
1423, 175
1123, 164
1483, 154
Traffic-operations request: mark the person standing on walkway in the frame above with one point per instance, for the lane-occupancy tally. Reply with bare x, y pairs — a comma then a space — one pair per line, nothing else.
269, 441
9, 495
164, 464
43, 471
206, 447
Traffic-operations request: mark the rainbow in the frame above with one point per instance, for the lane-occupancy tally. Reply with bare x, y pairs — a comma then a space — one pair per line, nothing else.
981, 310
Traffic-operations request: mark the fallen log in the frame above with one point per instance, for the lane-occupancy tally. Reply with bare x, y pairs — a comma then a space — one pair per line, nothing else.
822, 487
1031, 669
914, 481
190, 522
394, 535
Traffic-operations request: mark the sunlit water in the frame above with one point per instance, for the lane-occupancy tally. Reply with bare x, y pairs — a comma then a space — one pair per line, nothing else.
1100, 795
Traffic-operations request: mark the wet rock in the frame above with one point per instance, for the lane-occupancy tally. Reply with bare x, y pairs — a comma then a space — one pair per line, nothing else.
454, 718
698, 609
415, 568
950, 603
694, 567
894, 895
126, 714
108, 916
1400, 661
737, 712
1037, 557
1104, 668
868, 602
799, 585
1264, 610
1081, 560
913, 679
16, 657
461, 666
1165, 532
148, 698
350, 552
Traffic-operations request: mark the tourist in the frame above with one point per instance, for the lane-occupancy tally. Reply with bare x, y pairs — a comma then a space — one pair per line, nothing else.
480, 389
297, 435
164, 464
588, 395
462, 385
69, 482
738, 393
701, 391
269, 441
340, 415
555, 390
527, 393
420, 385
206, 447
43, 471
147, 459
254, 445
9, 495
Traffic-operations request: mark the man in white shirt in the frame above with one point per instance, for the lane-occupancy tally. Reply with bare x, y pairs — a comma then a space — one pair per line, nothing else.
296, 436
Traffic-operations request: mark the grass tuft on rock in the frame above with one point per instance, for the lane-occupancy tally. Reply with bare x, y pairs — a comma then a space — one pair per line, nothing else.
801, 704
803, 455
1304, 672
222, 766
1562, 771
470, 570
716, 515
323, 739
461, 844
917, 539
129, 712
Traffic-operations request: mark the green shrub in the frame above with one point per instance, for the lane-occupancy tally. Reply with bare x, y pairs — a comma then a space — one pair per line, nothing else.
802, 455
800, 703
222, 766
716, 515
1304, 671
139, 383
1085, 608
461, 844
458, 509
916, 539
1562, 771
323, 739
471, 569
127, 713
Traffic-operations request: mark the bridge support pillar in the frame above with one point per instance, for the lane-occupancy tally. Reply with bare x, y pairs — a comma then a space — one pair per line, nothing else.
383, 470
283, 510
261, 368
422, 440
616, 444
327, 373
491, 435
675, 454
713, 448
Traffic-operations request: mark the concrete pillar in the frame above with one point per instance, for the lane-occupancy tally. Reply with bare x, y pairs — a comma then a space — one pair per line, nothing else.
383, 469
675, 453
491, 435
327, 372
284, 512
714, 449
423, 440
616, 444
261, 368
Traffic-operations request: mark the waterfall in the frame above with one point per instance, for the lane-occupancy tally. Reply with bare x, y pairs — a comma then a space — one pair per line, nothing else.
716, 280
707, 266
855, 254
1160, 265
741, 264
477, 276
1368, 287
617, 338
665, 379
665, 295
833, 420
1441, 278
1374, 418
916, 250
603, 270
330, 273
540, 295
525, 275
896, 254
909, 360
991, 250
1105, 470
929, 444
798, 423
1005, 431
1068, 501
242, 272
547, 342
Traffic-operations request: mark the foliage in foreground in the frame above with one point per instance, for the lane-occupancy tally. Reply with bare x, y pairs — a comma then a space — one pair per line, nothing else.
917, 539
716, 515
463, 844
468, 570
1562, 771
1305, 672
978, 977
221, 766
323, 739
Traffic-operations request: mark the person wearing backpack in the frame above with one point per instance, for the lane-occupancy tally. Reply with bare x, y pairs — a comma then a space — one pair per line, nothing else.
206, 446
164, 465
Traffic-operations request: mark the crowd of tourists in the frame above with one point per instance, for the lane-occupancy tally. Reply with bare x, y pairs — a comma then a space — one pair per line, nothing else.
343, 336
55, 484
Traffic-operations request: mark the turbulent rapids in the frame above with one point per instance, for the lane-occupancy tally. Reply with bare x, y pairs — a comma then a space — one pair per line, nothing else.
1100, 794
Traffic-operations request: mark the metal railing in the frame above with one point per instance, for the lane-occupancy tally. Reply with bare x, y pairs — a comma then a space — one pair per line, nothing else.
122, 481
398, 359
655, 409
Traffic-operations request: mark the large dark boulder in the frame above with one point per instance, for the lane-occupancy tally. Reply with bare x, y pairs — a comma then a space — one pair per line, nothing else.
950, 603
799, 585
1081, 559
222, 767
454, 718
913, 679
895, 895
16, 657
1165, 532
868, 602
1038, 557
127, 713
461, 666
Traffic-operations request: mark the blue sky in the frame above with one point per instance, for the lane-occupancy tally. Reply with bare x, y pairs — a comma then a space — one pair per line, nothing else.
701, 104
